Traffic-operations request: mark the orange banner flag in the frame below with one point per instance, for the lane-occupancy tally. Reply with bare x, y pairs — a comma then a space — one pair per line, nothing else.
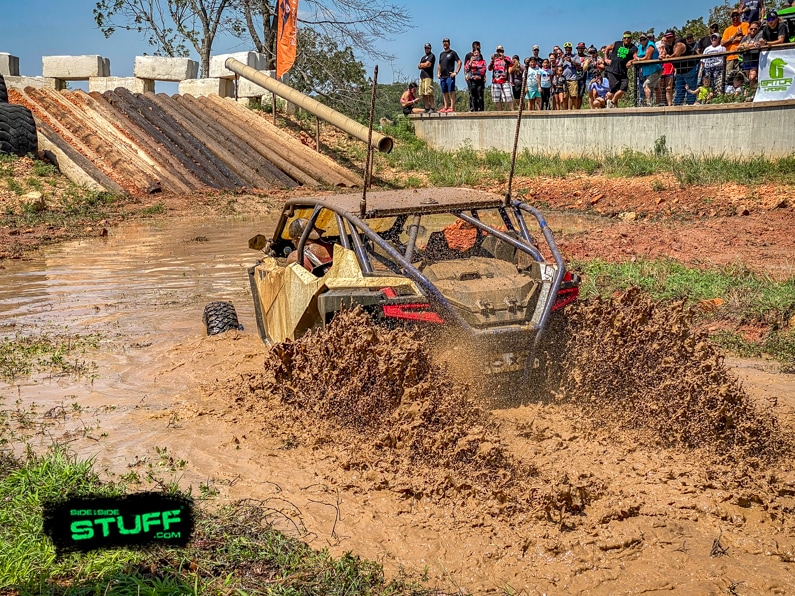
287, 42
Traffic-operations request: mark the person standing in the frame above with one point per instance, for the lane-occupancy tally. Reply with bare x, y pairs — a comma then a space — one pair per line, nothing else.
570, 74
426, 65
516, 75
619, 56
449, 66
475, 69
501, 92
752, 10
533, 82
686, 73
651, 73
706, 41
774, 32
467, 58
732, 36
545, 84
713, 67
579, 64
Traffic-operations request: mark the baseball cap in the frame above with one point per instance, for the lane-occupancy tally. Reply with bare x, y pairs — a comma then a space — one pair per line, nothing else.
427, 45
536, 47
735, 13
643, 36
771, 16
500, 48
581, 45
627, 33
714, 36
669, 34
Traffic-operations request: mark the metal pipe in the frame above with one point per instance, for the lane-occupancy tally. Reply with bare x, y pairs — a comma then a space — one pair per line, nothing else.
314, 107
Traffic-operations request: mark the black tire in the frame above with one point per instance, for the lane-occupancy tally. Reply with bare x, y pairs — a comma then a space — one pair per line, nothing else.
220, 317
3, 90
17, 130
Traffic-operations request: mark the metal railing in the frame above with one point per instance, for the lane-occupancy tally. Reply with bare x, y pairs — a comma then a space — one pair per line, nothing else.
694, 65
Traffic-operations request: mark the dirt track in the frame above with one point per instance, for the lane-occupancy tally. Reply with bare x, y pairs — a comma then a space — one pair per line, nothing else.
542, 498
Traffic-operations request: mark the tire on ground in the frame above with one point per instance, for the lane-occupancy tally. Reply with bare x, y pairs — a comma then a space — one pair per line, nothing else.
17, 130
220, 317
3, 90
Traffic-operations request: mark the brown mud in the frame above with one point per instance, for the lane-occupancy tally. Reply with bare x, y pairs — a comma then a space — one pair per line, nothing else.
622, 493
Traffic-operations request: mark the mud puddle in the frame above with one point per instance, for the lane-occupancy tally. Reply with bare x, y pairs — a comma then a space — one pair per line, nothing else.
616, 517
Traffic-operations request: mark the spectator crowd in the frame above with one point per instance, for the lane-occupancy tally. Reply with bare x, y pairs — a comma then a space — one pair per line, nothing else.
719, 63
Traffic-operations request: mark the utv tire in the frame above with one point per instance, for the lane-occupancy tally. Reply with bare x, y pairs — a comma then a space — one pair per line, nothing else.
17, 130
3, 90
220, 317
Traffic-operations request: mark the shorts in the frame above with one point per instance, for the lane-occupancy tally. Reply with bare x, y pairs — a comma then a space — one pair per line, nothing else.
750, 64
617, 83
533, 94
572, 87
426, 86
447, 84
517, 91
501, 92
652, 80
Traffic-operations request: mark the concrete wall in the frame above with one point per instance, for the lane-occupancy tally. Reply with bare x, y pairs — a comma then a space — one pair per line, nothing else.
733, 129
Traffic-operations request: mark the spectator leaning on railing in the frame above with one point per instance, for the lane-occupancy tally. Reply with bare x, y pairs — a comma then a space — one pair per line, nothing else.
750, 45
713, 67
650, 72
732, 36
774, 32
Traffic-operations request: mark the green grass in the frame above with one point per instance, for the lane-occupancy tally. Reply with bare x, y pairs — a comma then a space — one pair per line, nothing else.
235, 549
56, 355
448, 168
748, 298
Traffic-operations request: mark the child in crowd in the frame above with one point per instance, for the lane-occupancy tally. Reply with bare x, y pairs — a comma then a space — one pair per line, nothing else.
545, 83
559, 89
703, 93
533, 79
737, 87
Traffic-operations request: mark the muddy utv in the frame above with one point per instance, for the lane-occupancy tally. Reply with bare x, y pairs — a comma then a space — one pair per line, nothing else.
457, 261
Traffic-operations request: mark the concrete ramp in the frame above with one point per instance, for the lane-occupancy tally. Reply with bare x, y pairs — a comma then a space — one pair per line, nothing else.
143, 143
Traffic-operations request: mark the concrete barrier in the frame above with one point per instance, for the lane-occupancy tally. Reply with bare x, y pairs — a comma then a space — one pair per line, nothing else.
746, 129
35, 82
247, 89
9, 65
133, 84
205, 87
162, 68
74, 68
252, 59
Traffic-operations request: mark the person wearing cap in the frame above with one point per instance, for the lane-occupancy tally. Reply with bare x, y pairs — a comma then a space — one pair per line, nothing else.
449, 66
750, 45
752, 10
599, 92
774, 32
666, 49
569, 62
593, 65
536, 53
467, 58
651, 73
426, 65
713, 67
501, 92
686, 72
706, 41
579, 63
409, 101
731, 38
316, 251
619, 56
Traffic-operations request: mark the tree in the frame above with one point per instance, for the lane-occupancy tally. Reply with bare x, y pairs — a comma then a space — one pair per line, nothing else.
330, 73
359, 24
168, 25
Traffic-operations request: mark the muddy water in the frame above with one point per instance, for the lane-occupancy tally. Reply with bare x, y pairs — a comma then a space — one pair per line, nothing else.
143, 289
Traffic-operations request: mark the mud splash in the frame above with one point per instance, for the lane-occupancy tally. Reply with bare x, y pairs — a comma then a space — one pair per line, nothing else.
635, 365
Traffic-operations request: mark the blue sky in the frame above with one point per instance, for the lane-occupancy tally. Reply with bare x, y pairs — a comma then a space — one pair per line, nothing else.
34, 28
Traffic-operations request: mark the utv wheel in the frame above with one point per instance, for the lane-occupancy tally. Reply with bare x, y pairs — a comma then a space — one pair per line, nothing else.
220, 317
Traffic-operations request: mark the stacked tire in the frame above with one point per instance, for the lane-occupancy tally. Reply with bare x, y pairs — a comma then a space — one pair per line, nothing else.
17, 127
